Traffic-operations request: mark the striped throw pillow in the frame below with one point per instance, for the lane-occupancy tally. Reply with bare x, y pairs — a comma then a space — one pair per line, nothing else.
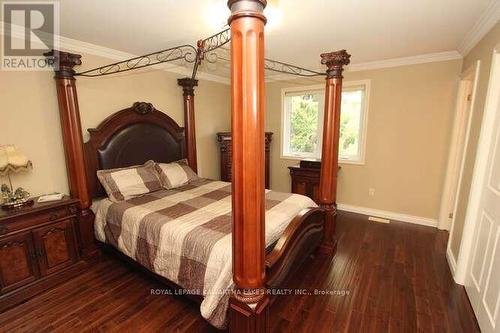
126, 183
175, 174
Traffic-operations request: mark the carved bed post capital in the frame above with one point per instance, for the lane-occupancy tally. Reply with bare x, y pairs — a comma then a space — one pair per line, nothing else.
188, 85
335, 62
64, 62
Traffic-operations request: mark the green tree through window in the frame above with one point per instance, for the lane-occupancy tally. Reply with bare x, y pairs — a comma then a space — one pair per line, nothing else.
304, 123
304, 127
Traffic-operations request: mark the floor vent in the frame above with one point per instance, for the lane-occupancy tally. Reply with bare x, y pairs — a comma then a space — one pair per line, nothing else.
378, 219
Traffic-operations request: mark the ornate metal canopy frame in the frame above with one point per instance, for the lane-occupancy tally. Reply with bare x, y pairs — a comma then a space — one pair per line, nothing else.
186, 53
210, 49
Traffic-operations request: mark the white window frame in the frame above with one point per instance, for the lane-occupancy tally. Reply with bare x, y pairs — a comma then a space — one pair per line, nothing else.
313, 88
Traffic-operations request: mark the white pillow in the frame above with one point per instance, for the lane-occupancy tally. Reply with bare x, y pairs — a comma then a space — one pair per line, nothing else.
126, 183
175, 174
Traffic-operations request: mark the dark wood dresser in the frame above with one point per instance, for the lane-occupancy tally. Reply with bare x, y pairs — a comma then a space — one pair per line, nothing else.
305, 178
38, 249
224, 139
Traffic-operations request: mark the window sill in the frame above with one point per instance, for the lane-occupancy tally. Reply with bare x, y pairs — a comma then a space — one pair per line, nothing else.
300, 158
352, 162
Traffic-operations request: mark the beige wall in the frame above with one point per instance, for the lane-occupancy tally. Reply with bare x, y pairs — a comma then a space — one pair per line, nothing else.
483, 52
29, 116
409, 125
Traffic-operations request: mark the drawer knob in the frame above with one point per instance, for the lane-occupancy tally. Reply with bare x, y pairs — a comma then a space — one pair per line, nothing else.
53, 217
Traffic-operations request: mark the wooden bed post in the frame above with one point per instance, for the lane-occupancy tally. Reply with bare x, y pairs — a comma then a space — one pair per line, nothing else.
188, 85
330, 150
73, 143
248, 308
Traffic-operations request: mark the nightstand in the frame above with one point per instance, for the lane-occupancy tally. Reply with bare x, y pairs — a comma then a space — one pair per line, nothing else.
305, 178
38, 249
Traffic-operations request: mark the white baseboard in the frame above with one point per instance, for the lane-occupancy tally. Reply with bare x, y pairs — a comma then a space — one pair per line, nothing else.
450, 258
388, 215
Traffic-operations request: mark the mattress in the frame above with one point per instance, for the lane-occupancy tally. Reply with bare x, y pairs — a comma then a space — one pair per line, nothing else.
184, 235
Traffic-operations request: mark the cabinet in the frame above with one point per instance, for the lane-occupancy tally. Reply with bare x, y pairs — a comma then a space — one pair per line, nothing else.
226, 154
305, 178
38, 249
17, 262
55, 246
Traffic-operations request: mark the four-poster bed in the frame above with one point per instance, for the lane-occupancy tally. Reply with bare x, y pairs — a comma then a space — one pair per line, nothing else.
122, 140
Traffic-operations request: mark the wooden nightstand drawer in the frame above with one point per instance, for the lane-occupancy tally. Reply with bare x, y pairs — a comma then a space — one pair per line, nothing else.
39, 218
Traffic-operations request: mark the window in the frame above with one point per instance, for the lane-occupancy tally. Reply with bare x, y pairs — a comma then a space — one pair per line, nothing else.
302, 122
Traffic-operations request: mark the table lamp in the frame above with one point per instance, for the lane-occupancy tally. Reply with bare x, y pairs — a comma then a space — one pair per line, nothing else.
12, 160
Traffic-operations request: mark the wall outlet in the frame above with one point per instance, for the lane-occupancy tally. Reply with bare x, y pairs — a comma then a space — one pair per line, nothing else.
371, 191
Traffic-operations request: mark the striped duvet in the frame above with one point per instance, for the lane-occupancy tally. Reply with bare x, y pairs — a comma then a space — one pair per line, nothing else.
184, 235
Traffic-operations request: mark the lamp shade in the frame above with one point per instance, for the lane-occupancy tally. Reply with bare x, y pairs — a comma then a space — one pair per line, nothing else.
12, 160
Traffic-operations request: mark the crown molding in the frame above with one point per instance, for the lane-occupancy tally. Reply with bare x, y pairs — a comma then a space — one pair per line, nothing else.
405, 61
484, 24
388, 63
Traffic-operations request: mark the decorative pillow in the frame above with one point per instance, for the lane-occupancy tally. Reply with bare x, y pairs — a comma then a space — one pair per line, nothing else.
175, 174
125, 183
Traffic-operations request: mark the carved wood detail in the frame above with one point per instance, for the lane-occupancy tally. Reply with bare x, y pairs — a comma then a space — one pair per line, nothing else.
143, 107
55, 246
17, 266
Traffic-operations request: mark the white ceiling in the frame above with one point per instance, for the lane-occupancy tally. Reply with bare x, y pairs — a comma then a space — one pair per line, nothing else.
371, 30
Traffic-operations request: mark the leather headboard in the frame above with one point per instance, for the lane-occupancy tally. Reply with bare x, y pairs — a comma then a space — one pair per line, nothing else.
130, 137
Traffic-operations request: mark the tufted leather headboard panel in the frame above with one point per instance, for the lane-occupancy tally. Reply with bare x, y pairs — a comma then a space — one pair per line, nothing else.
130, 137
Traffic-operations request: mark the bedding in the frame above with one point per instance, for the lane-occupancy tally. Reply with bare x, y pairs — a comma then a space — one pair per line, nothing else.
184, 235
125, 183
175, 174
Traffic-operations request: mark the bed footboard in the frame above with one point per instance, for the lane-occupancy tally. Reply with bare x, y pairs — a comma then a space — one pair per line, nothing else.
300, 239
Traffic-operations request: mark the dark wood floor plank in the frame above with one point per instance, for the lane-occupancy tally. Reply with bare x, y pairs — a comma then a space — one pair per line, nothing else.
91, 280
386, 278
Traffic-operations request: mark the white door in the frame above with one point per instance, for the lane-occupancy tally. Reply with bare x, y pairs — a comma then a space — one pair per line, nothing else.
483, 274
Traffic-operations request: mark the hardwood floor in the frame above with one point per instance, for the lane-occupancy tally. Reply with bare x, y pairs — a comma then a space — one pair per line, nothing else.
388, 278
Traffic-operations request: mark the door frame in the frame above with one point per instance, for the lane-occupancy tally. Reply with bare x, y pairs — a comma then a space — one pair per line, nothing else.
485, 141
456, 158
471, 74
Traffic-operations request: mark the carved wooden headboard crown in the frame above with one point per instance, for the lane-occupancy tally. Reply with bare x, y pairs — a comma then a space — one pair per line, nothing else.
130, 137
